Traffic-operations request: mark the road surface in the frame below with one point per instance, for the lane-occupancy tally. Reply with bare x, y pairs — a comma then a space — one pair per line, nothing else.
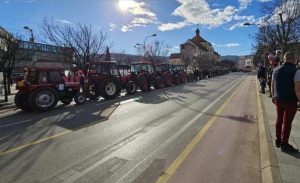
129, 139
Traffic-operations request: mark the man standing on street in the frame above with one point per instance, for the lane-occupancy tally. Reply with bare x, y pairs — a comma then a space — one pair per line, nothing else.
261, 76
285, 99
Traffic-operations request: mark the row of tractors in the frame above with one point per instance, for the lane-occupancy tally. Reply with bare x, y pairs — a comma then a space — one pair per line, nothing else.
42, 88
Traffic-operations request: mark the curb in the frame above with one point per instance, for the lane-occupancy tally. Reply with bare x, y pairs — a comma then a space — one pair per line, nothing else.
7, 106
270, 172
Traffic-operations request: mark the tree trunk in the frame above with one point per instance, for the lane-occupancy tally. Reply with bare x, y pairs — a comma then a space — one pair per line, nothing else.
5, 87
9, 81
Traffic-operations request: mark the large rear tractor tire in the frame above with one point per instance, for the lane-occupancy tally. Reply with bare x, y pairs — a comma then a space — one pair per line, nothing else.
110, 89
21, 101
43, 99
79, 98
131, 88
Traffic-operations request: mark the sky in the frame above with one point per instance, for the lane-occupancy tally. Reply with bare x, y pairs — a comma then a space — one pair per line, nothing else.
128, 22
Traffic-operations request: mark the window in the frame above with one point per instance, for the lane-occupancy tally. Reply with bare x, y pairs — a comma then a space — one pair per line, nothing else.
136, 68
114, 70
43, 77
149, 68
55, 77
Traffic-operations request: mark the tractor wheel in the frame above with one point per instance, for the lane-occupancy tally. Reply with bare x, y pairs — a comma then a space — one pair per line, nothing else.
43, 99
79, 98
21, 102
110, 89
143, 83
66, 101
159, 83
131, 88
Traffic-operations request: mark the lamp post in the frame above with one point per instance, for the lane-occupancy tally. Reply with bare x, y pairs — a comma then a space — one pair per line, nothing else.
153, 35
31, 34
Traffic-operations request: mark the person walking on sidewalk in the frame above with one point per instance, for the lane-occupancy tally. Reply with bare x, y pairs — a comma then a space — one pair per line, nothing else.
285, 99
273, 65
261, 76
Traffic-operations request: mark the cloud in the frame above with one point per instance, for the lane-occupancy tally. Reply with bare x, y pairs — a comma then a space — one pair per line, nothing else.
112, 26
141, 9
264, 1
242, 20
136, 22
172, 26
125, 28
63, 21
228, 45
143, 16
244, 4
173, 49
200, 12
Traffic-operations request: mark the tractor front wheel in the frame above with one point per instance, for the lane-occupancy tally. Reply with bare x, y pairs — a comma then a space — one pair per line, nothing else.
66, 101
131, 88
79, 98
21, 102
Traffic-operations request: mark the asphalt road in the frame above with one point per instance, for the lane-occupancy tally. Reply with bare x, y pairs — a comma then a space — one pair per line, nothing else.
129, 139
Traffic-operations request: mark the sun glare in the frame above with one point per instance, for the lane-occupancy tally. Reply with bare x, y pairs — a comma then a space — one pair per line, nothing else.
124, 5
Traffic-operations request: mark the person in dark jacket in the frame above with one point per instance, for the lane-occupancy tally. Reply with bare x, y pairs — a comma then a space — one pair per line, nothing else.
285, 99
261, 76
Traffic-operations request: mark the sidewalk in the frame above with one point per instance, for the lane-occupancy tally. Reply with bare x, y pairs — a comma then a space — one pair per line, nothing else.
289, 164
10, 103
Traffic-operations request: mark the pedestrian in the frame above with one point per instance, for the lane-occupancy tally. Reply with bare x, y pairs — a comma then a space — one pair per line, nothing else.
285, 90
278, 57
273, 65
261, 76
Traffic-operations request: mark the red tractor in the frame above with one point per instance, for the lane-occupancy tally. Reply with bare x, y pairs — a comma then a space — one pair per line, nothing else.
179, 70
106, 80
42, 88
145, 76
167, 73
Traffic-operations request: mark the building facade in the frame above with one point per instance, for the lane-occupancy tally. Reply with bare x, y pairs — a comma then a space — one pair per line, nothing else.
198, 52
175, 59
246, 61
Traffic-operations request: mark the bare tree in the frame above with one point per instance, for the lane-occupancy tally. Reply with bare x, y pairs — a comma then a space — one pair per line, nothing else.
11, 53
80, 44
157, 53
280, 28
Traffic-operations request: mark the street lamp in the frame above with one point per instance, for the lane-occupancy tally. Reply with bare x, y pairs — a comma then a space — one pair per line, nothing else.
31, 34
153, 35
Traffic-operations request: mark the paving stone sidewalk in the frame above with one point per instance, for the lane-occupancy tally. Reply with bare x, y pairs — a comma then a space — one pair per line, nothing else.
289, 164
